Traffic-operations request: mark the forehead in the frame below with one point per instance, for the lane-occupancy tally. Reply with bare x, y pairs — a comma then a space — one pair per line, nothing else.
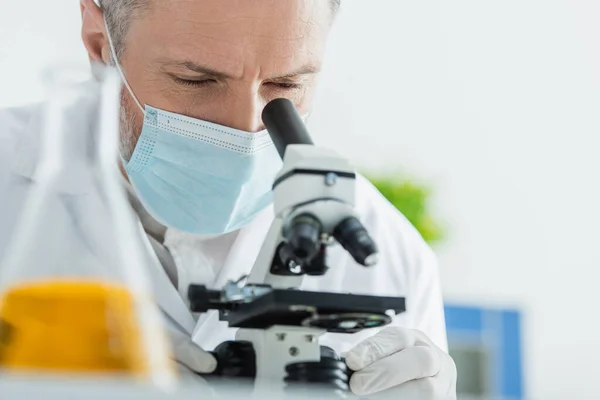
237, 37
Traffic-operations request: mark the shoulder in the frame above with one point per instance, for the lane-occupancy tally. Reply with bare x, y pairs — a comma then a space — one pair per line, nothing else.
407, 264
19, 138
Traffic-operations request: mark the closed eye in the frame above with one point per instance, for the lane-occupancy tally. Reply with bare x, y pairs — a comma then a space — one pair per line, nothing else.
285, 85
194, 83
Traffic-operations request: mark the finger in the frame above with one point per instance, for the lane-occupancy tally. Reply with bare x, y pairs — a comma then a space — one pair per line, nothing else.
383, 344
191, 355
424, 340
197, 360
407, 365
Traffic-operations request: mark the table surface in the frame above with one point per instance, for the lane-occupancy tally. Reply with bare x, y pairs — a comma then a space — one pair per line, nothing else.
25, 388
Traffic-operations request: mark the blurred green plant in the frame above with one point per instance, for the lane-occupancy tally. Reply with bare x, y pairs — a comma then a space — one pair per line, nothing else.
412, 201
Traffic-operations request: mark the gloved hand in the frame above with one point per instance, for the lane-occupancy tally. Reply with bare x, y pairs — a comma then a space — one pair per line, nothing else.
401, 363
189, 354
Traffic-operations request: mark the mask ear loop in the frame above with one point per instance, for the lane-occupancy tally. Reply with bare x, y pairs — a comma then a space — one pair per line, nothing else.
113, 54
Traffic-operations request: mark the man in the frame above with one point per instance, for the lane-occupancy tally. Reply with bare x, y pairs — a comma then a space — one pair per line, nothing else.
197, 75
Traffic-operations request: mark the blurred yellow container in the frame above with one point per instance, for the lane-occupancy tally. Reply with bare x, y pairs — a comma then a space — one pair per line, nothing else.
72, 327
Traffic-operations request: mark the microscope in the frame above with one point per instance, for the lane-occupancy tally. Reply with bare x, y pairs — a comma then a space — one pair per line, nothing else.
277, 343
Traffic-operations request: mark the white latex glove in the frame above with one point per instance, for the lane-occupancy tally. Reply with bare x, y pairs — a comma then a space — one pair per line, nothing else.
189, 354
399, 363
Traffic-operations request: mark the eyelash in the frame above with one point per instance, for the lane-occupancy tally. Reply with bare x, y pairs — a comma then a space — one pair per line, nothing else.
287, 85
283, 85
187, 82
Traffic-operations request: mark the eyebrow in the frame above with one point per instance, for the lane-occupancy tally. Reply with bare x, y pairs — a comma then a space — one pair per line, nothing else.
205, 70
195, 67
304, 70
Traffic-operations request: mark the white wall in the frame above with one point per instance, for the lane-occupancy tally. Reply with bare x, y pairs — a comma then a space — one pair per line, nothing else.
495, 103
34, 34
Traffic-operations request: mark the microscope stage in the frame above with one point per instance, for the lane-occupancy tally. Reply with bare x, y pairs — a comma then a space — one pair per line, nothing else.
334, 312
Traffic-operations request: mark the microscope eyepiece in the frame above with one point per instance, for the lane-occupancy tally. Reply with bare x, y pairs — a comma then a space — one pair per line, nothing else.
284, 124
303, 235
353, 237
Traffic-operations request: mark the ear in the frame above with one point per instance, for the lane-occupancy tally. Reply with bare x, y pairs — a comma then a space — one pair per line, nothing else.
93, 32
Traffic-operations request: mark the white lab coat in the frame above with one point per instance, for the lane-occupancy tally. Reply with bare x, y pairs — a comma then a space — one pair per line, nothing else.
407, 266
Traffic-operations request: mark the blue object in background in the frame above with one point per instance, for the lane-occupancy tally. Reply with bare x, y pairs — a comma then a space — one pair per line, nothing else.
486, 346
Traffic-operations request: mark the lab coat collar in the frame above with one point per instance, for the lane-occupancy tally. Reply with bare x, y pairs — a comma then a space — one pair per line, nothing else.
166, 294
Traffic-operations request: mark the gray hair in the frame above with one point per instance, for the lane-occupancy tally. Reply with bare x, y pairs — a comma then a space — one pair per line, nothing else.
119, 13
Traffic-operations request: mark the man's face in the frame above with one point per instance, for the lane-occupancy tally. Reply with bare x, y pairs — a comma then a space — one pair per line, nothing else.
223, 60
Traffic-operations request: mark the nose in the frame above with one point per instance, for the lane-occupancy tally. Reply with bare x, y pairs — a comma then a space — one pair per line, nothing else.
244, 112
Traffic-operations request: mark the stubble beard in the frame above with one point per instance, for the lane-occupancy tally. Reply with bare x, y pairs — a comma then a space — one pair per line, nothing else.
128, 131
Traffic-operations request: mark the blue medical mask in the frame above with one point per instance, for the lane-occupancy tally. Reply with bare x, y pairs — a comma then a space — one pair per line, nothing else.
200, 177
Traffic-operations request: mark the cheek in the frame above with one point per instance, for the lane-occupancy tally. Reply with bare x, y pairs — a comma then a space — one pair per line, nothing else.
131, 119
167, 95
305, 102
160, 93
